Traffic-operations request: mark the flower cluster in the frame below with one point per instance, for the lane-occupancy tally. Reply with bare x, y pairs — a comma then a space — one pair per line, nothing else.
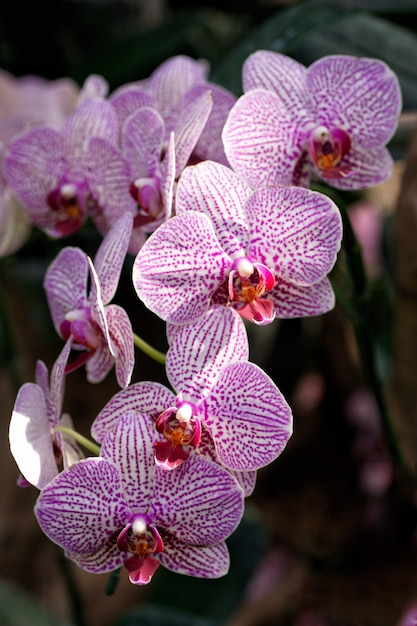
211, 194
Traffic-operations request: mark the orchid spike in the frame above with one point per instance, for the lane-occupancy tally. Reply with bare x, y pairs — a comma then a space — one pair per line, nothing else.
331, 120
101, 331
265, 253
178, 519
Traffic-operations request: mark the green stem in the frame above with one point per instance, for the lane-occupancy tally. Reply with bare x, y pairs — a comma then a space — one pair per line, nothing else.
363, 329
87, 443
156, 355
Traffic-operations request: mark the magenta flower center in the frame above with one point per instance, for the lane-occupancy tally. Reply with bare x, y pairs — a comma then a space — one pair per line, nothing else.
140, 539
69, 205
248, 283
182, 431
328, 148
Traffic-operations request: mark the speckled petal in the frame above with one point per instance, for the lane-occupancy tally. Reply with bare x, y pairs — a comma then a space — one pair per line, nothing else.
199, 502
105, 559
121, 334
93, 118
57, 384
179, 268
144, 397
110, 256
295, 301
360, 95
248, 417
261, 140
30, 436
210, 145
129, 445
199, 561
218, 192
282, 75
189, 125
83, 509
199, 351
65, 284
295, 232
142, 141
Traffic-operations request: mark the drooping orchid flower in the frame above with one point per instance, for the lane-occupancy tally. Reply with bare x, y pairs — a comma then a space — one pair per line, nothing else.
121, 509
265, 253
36, 443
222, 407
101, 331
332, 119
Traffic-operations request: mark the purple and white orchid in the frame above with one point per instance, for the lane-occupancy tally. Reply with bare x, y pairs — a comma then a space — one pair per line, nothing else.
266, 252
121, 509
332, 119
102, 331
36, 443
63, 176
220, 400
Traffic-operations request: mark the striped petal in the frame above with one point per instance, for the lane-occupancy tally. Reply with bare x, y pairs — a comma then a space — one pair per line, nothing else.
191, 120
200, 561
200, 351
295, 232
93, 118
248, 417
121, 335
179, 268
297, 301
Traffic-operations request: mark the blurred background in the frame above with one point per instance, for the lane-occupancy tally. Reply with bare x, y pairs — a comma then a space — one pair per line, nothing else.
330, 534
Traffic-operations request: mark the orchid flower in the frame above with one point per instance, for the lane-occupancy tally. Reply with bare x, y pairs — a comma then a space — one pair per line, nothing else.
332, 120
265, 252
36, 443
220, 400
102, 331
63, 176
121, 509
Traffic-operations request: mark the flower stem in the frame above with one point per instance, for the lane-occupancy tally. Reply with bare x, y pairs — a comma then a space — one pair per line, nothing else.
156, 355
363, 329
87, 443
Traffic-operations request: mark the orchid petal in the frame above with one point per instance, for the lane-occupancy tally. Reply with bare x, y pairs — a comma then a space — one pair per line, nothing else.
179, 268
97, 306
142, 141
247, 416
94, 86
65, 284
129, 445
58, 382
106, 558
295, 232
128, 99
368, 168
359, 95
199, 561
189, 125
210, 145
98, 364
30, 436
216, 191
261, 140
73, 512
121, 334
204, 514
298, 301
93, 118
199, 351
144, 397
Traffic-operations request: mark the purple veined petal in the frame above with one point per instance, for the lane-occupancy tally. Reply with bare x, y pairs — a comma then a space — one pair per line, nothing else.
282, 75
207, 449
199, 502
369, 168
167, 181
216, 191
42, 379
261, 140
93, 118
200, 350
65, 284
30, 436
144, 397
73, 513
190, 123
171, 80
97, 307
129, 445
128, 99
111, 254
57, 383
71, 453
121, 334
360, 95
296, 301
94, 86
248, 418
99, 364
142, 142
295, 232
210, 145
197, 561
34, 165
106, 559
108, 180
179, 268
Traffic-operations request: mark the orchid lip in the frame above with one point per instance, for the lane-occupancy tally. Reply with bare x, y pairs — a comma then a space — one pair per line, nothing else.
328, 148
